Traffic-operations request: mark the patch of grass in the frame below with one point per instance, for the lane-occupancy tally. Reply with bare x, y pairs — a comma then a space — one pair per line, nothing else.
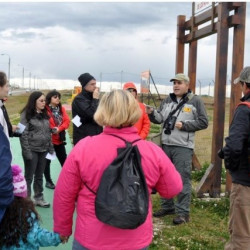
206, 230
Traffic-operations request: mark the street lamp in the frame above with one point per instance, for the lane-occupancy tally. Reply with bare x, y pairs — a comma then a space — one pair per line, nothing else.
9, 66
22, 74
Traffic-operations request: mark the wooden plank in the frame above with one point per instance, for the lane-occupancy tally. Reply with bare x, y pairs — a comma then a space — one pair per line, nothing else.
192, 64
195, 163
201, 33
180, 46
219, 94
237, 65
206, 183
202, 18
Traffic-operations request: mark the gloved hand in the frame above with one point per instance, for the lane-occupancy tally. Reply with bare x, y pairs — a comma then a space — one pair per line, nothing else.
221, 153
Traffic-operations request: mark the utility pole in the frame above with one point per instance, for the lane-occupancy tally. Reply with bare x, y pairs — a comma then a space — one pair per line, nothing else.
30, 82
121, 78
34, 82
200, 86
23, 77
8, 66
100, 81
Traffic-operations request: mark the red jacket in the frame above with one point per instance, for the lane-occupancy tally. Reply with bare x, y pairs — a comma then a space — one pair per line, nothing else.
64, 125
143, 125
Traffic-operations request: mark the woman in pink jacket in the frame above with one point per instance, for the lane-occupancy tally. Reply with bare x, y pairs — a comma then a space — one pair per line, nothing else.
118, 111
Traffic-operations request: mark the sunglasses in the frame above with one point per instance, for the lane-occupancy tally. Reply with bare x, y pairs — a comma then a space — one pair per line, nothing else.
131, 90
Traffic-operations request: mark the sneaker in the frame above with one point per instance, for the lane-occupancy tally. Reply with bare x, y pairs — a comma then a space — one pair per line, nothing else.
163, 212
180, 219
41, 203
50, 185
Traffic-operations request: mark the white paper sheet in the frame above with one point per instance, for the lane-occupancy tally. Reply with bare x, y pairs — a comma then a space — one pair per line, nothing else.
21, 128
77, 121
51, 156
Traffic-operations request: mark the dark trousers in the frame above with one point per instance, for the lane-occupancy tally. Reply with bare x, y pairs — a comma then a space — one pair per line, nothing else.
61, 156
34, 168
182, 159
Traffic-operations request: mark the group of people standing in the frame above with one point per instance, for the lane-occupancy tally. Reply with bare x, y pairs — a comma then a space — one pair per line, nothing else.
45, 120
166, 170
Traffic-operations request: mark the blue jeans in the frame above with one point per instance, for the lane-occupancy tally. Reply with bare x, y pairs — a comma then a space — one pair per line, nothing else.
78, 246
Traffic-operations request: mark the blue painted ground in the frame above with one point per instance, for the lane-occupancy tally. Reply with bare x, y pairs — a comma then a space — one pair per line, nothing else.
45, 213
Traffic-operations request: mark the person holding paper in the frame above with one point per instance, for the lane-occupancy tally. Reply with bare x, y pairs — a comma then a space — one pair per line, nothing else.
59, 122
36, 144
84, 106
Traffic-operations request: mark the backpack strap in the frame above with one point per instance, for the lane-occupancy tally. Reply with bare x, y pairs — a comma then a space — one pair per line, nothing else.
127, 142
244, 103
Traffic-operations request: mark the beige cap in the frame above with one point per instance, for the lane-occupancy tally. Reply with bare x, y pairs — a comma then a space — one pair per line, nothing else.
244, 76
180, 77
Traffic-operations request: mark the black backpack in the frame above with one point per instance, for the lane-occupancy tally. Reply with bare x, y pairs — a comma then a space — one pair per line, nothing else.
122, 196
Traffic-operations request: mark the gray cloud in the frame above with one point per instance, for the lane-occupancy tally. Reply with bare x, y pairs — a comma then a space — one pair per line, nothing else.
62, 40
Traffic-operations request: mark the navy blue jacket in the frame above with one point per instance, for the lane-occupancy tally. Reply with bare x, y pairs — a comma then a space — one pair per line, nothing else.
6, 179
237, 148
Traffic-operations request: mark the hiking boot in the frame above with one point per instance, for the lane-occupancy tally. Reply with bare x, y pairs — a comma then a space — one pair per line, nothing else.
50, 184
41, 203
180, 219
163, 212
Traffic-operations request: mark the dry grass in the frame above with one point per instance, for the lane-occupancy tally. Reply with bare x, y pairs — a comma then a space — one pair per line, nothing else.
203, 138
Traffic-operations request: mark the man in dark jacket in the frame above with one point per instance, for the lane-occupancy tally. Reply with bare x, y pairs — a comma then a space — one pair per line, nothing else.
6, 182
84, 105
236, 154
182, 114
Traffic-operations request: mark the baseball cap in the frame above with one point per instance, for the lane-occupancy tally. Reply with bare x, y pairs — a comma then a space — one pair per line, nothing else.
244, 76
180, 77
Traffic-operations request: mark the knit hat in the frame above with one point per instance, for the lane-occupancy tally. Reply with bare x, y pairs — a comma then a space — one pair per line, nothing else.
85, 78
19, 182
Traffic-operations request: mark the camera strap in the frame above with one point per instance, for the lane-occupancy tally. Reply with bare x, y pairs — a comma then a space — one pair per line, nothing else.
178, 107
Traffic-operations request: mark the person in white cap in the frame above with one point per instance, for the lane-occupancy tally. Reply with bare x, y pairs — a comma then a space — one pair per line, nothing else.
236, 154
182, 113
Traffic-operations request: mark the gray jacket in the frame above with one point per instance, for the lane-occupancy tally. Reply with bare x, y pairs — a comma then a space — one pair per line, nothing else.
36, 136
192, 115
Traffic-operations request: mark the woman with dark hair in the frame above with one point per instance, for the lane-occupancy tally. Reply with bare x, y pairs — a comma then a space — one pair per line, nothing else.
36, 143
59, 122
20, 227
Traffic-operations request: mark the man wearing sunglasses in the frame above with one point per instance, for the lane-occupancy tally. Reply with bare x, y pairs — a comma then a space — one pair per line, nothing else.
182, 114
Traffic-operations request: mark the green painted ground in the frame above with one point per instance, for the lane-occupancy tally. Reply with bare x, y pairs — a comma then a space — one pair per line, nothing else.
45, 213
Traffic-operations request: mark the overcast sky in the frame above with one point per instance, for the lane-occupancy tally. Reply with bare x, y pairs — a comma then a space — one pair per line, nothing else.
63, 40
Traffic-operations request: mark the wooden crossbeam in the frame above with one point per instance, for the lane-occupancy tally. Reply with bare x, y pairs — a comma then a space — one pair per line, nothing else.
220, 21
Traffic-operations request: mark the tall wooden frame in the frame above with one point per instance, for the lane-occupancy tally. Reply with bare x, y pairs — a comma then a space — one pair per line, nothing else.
222, 16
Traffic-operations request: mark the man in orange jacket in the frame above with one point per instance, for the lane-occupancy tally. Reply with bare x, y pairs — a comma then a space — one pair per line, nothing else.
143, 124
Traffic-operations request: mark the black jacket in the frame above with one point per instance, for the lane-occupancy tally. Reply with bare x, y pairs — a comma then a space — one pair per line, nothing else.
7, 119
85, 106
237, 148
